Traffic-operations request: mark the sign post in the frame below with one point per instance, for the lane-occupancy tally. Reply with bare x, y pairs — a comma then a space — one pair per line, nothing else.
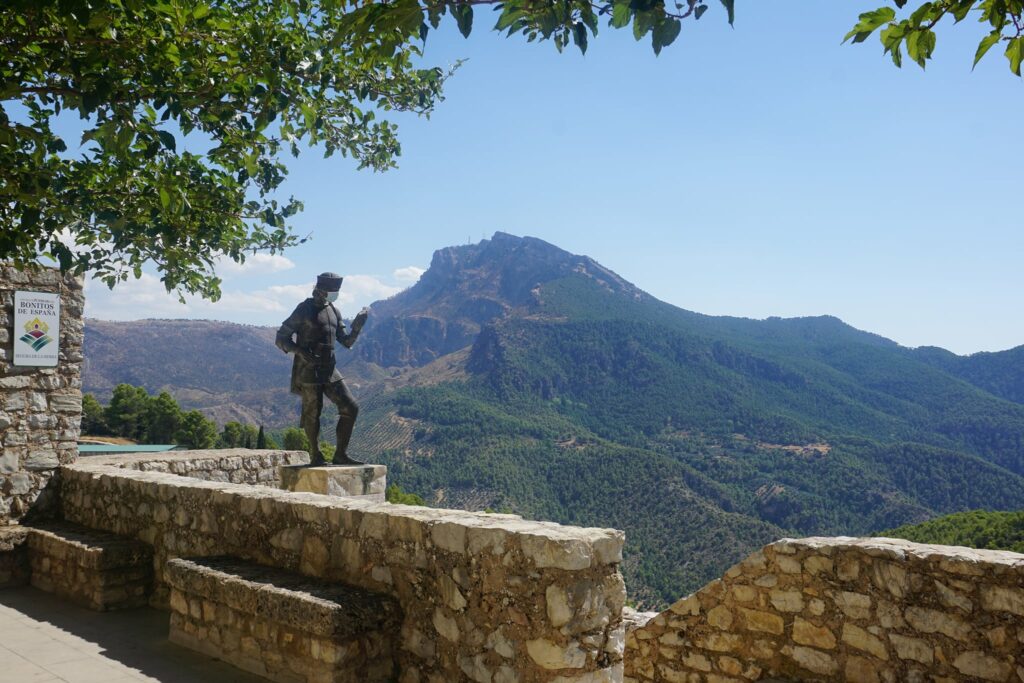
36, 328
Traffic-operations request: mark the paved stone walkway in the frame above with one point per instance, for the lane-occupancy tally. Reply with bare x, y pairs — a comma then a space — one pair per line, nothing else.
44, 639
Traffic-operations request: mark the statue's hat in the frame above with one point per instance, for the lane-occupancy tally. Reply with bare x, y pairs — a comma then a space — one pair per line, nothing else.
328, 282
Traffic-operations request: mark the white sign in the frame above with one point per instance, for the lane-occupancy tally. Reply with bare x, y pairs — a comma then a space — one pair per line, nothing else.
36, 328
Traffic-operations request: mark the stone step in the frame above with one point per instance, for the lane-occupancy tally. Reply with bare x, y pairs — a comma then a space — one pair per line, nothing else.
96, 569
282, 625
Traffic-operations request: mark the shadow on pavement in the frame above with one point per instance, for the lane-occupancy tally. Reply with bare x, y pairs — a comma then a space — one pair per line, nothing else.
135, 638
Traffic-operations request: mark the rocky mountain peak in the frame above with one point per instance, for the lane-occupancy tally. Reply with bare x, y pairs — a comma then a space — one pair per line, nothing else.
466, 287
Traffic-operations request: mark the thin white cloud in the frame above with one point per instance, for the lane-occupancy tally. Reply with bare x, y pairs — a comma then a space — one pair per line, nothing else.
147, 298
255, 264
408, 275
363, 290
132, 299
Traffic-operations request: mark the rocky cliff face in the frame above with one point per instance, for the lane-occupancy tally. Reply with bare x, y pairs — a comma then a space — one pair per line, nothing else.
466, 288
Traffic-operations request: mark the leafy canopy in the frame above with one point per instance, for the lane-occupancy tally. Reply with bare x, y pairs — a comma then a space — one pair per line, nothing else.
916, 31
189, 105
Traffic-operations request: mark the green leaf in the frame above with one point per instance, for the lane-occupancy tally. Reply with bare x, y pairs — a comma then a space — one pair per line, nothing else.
665, 32
167, 140
869, 21
172, 54
699, 11
464, 18
920, 45
642, 23
165, 198
986, 43
730, 7
620, 15
200, 11
579, 36
1015, 53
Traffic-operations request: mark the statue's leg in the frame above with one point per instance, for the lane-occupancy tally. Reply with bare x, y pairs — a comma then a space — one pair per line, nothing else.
312, 405
348, 411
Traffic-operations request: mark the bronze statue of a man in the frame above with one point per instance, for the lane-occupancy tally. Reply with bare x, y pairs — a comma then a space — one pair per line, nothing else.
310, 333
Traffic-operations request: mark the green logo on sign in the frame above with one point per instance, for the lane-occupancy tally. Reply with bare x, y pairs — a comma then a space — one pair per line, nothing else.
35, 334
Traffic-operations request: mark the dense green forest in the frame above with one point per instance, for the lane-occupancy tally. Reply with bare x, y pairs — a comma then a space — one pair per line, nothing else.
138, 416
974, 529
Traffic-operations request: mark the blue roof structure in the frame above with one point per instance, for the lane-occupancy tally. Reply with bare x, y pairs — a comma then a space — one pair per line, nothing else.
110, 449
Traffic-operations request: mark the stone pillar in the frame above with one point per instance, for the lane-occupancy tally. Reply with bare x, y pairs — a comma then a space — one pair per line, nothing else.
347, 481
40, 407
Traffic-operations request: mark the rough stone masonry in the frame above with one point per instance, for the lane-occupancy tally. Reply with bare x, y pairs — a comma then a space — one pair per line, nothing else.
40, 407
844, 609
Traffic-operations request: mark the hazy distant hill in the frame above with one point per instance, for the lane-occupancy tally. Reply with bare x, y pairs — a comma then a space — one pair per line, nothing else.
518, 376
231, 372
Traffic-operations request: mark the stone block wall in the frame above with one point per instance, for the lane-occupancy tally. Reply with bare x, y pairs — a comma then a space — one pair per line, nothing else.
843, 609
40, 407
282, 626
98, 570
487, 598
234, 465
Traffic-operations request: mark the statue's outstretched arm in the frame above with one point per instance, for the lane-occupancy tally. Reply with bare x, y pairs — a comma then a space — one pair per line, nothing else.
348, 339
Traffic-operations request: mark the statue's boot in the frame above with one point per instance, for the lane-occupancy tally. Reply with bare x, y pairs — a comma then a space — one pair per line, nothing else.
345, 425
312, 429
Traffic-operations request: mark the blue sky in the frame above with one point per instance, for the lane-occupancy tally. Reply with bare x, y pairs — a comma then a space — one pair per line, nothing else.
755, 171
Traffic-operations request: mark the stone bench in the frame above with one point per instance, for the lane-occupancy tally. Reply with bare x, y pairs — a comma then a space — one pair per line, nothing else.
96, 569
281, 625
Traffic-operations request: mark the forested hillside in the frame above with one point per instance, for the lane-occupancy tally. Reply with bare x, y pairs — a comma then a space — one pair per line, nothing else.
974, 529
515, 376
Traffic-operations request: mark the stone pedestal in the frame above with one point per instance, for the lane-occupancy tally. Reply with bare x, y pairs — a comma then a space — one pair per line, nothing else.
347, 481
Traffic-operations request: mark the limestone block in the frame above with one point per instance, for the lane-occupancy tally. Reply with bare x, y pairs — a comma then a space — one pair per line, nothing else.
861, 670
551, 655
854, 605
1002, 599
814, 660
787, 601
349, 481
808, 633
766, 622
981, 665
927, 620
857, 637
912, 648
41, 459
554, 550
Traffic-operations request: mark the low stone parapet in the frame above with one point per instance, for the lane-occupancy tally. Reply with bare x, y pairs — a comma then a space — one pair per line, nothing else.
366, 482
235, 465
483, 597
281, 625
99, 570
843, 609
